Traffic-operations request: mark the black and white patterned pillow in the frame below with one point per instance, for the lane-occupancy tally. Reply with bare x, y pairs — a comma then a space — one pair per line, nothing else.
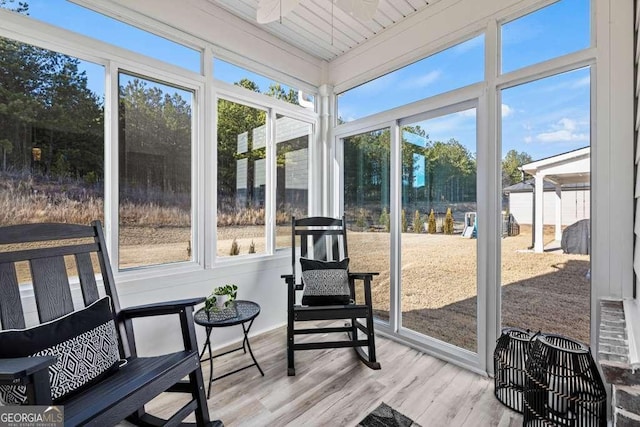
325, 282
85, 343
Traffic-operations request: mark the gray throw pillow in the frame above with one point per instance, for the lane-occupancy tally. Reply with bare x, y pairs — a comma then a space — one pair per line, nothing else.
325, 282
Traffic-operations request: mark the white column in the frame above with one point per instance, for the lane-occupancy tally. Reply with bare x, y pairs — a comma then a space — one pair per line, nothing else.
558, 212
538, 217
323, 178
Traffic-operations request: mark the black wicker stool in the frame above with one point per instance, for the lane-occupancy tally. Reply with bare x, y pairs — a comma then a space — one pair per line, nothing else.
563, 386
509, 363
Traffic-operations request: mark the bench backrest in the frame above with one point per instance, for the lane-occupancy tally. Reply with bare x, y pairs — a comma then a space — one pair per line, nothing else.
319, 238
50, 251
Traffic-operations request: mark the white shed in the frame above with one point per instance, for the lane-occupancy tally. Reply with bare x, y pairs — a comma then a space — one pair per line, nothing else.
563, 174
576, 202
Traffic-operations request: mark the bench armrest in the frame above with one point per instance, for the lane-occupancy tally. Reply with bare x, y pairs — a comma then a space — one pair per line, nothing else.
289, 279
362, 276
17, 370
160, 308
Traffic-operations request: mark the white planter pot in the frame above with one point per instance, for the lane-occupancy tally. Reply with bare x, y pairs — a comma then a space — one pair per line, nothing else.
220, 300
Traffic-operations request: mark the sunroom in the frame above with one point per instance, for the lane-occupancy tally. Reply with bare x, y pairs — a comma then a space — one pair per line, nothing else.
196, 130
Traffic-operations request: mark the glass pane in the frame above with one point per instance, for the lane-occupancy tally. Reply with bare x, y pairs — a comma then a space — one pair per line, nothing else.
439, 255
545, 282
155, 172
242, 137
51, 140
553, 31
65, 14
51, 136
453, 68
367, 210
257, 83
292, 169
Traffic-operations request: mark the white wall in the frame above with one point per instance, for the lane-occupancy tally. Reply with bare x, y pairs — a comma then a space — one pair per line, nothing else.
257, 281
576, 205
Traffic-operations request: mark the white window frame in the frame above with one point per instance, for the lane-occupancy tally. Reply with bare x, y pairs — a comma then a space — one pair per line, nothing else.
197, 166
472, 96
272, 107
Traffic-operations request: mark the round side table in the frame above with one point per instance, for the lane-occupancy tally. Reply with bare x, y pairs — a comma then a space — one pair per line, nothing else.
244, 312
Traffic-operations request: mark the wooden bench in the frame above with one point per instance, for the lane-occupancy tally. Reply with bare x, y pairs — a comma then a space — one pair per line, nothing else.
122, 394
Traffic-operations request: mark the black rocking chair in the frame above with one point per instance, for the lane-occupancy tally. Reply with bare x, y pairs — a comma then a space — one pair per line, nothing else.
108, 399
325, 239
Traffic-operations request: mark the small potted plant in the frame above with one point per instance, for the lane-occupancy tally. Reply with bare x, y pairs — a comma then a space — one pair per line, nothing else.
221, 297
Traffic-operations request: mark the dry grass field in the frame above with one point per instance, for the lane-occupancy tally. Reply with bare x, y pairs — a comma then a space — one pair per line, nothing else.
548, 292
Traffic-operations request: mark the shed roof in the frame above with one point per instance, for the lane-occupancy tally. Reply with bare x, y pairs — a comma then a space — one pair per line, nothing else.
572, 167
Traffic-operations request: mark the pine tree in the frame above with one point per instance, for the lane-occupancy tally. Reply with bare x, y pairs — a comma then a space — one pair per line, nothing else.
448, 222
235, 248
404, 221
431, 223
384, 219
417, 222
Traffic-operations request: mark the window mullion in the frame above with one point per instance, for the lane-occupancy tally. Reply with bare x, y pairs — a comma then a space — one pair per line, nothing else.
271, 182
111, 196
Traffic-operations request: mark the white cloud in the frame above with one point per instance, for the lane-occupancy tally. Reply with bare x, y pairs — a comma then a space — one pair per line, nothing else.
528, 139
562, 136
506, 111
565, 130
566, 124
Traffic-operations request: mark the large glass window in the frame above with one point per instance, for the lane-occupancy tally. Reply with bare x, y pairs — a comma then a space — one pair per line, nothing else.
546, 203
367, 210
66, 14
439, 228
292, 170
242, 139
450, 69
51, 136
51, 140
155, 134
555, 30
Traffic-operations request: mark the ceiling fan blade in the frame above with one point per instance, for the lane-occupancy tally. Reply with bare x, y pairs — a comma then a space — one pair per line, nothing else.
361, 9
272, 10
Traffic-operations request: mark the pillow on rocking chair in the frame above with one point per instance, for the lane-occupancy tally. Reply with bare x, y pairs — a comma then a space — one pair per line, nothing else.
85, 343
325, 282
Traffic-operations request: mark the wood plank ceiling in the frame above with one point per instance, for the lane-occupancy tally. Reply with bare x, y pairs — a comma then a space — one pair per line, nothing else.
324, 30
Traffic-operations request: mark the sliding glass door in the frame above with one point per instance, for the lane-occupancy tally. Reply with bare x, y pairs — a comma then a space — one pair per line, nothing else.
438, 227
409, 196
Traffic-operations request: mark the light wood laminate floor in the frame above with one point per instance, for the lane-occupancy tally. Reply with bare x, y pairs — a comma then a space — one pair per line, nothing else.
332, 388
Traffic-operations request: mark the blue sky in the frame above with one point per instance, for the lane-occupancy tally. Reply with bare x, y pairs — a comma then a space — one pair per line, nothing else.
542, 118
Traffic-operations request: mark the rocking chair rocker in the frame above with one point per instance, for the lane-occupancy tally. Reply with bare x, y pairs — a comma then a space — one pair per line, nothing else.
329, 290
